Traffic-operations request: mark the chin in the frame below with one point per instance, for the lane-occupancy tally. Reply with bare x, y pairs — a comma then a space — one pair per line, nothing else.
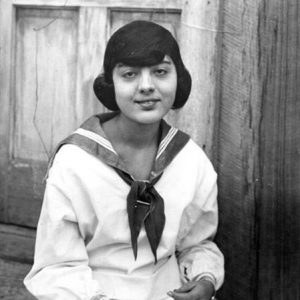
149, 118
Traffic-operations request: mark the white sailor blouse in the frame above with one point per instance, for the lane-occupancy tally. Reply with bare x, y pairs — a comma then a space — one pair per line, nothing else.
86, 243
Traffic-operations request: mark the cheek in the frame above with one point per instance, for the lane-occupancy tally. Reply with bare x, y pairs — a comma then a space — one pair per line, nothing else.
118, 88
169, 88
123, 91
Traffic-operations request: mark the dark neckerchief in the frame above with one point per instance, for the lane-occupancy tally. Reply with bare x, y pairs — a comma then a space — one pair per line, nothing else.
144, 204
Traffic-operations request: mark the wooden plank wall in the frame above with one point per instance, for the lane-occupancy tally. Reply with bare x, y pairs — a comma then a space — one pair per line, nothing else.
258, 140
199, 22
279, 153
237, 140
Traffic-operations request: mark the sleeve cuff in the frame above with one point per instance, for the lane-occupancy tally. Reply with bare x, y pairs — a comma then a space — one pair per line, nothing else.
207, 276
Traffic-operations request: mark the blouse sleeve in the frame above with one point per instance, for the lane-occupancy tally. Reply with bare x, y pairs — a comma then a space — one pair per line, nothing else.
198, 255
60, 269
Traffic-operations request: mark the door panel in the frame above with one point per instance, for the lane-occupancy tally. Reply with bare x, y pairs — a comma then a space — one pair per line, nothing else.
44, 100
25, 187
170, 19
56, 52
44, 76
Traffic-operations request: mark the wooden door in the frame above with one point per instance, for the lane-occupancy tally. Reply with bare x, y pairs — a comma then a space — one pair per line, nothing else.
50, 53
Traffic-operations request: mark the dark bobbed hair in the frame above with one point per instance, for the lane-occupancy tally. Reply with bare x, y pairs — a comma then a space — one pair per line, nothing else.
141, 43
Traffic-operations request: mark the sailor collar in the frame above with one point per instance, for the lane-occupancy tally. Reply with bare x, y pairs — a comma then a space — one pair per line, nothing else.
91, 138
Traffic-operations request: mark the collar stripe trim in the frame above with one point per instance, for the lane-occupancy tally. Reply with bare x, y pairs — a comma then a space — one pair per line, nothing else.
106, 144
165, 142
96, 138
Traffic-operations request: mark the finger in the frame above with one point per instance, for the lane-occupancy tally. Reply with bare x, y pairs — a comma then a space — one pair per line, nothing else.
194, 292
176, 296
186, 287
182, 296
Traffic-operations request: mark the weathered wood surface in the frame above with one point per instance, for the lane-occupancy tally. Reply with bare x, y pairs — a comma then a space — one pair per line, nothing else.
237, 147
279, 194
148, 4
199, 26
6, 15
170, 19
45, 80
17, 243
91, 43
40, 99
16, 256
258, 150
25, 189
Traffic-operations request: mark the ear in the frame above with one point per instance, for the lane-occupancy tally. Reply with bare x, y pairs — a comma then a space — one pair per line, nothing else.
105, 93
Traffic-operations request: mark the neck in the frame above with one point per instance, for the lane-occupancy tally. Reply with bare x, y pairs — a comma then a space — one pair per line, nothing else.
135, 134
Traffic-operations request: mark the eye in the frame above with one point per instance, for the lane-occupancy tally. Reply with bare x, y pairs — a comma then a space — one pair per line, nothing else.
160, 72
129, 74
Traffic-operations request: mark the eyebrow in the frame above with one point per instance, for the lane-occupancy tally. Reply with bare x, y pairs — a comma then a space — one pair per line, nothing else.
122, 65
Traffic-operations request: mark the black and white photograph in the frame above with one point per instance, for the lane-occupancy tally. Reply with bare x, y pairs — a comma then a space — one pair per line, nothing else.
150, 150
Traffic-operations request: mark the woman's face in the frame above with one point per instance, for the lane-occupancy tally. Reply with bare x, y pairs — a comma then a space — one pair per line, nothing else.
145, 94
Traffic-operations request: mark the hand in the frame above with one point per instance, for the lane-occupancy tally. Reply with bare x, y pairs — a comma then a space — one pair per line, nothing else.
194, 290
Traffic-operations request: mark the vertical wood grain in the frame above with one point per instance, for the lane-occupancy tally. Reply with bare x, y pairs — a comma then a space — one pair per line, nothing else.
46, 55
258, 150
91, 46
6, 16
238, 142
279, 195
170, 19
199, 33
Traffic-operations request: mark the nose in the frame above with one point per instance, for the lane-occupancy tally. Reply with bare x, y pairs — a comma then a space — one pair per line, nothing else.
146, 85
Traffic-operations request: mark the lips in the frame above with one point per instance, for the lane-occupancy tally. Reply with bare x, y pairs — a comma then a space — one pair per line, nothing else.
147, 103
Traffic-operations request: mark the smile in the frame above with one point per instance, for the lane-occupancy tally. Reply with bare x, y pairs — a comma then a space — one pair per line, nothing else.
147, 103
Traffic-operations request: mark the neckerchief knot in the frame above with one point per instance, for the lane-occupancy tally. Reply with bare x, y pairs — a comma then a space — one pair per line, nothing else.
144, 206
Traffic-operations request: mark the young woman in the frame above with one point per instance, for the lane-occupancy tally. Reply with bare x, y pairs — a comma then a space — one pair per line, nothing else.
130, 206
